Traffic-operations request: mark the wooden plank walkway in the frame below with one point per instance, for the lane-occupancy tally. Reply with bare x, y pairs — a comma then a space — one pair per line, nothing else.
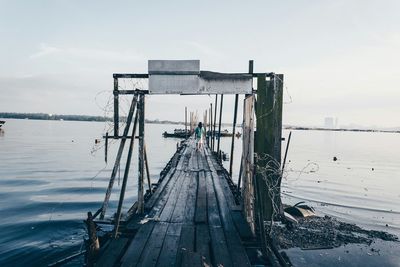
191, 220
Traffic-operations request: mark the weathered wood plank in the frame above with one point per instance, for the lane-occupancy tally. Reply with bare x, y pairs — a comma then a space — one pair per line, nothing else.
132, 254
212, 204
153, 247
236, 250
163, 199
203, 242
168, 254
114, 251
160, 188
201, 204
191, 259
196, 220
178, 214
186, 242
241, 225
191, 200
219, 247
169, 206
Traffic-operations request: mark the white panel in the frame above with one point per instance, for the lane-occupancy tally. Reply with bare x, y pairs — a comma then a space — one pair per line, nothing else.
165, 66
173, 84
225, 86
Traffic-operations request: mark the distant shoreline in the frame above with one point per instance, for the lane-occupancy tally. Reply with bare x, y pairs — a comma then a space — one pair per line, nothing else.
55, 117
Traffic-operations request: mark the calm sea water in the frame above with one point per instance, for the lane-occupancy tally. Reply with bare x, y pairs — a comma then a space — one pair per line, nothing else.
52, 173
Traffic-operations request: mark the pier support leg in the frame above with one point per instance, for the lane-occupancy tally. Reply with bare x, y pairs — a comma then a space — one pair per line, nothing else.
268, 146
118, 159
220, 122
147, 168
94, 245
215, 122
233, 133
116, 108
186, 132
248, 184
125, 180
141, 110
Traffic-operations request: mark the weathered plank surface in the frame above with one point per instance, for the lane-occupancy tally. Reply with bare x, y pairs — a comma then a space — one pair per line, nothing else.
191, 219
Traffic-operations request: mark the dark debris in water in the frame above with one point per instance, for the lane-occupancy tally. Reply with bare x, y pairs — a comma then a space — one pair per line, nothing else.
324, 232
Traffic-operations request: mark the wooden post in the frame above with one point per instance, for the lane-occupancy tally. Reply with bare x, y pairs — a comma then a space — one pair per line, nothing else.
106, 148
286, 151
191, 119
277, 114
233, 133
186, 133
125, 180
118, 158
147, 168
210, 127
220, 122
94, 245
141, 110
205, 121
248, 183
116, 108
215, 122
268, 143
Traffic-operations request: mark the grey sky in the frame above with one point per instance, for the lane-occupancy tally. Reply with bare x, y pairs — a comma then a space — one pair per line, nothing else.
340, 58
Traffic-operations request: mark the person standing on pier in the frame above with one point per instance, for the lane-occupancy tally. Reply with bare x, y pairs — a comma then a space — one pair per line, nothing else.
199, 133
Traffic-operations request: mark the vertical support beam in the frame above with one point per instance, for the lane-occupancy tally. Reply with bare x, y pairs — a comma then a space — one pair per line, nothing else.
215, 122
106, 148
220, 122
248, 184
268, 145
209, 139
125, 180
205, 121
118, 158
264, 146
191, 119
186, 135
277, 114
141, 110
286, 151
233, 133
94, 245
147, 168
116, 108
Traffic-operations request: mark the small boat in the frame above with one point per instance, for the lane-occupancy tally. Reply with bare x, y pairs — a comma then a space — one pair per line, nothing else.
225, 133
178, 133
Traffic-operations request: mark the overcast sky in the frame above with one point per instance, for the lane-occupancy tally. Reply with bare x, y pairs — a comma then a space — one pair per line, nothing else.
340, 58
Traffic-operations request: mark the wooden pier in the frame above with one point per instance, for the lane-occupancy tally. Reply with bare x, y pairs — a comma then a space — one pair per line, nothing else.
191, 219
195, 215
